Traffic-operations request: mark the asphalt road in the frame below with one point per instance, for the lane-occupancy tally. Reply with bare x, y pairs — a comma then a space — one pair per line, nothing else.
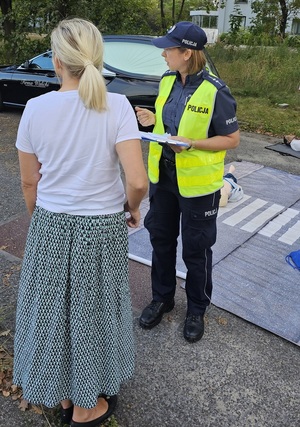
238, 375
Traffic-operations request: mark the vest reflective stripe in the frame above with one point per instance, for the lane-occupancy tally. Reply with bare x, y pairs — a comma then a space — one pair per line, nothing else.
199, 172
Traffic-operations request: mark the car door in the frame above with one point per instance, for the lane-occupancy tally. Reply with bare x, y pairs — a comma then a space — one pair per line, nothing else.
31, 79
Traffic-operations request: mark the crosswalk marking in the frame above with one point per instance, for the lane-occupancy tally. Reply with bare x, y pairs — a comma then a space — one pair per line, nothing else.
271, 227
292, 234
277, 223
272, 213
225, 209
262, 218
244, 212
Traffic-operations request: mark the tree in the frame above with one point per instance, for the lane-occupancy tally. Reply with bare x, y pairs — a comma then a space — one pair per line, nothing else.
8, 23
288, 8
31, 21
266, 17
236, 19
272, 15
162, 15
168, 10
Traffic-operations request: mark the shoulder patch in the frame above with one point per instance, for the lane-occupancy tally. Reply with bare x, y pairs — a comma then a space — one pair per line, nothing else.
216, 81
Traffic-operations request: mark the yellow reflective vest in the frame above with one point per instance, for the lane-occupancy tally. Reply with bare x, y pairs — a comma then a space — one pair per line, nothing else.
199, 172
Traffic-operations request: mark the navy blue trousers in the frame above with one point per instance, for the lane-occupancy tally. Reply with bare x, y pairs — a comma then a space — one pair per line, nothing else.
197, 218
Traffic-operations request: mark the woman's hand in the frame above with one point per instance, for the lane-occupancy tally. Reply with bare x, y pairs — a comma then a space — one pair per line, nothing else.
145, 117
180, 148
215, 143
133, 217
30, 176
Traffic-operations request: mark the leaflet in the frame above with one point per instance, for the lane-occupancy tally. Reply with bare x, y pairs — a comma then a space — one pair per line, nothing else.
163, 139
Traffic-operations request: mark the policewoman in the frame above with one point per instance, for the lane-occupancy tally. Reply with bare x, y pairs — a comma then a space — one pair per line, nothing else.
195, 107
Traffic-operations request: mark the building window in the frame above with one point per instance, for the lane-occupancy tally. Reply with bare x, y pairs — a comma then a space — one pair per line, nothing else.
241, 20
296, 27
240, 1
205, 21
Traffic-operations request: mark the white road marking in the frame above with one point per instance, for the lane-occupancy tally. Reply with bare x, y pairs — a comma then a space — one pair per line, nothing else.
262, 218
244, 212
272, 227
277, 223
291, 235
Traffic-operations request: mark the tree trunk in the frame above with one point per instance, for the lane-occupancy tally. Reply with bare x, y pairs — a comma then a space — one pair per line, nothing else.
8, 24
283, 18
163, 17
181, 10
173, 12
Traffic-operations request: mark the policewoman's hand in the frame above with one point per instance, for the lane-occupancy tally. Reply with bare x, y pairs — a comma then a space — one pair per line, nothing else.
145, 117
179, 148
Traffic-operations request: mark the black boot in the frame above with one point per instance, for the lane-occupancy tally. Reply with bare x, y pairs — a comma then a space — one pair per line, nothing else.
153, 313
193, 327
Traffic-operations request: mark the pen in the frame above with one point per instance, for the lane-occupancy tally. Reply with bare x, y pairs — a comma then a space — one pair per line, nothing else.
187, 99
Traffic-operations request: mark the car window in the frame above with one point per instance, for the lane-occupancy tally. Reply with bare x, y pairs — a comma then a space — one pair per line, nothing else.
42, 62
133, 57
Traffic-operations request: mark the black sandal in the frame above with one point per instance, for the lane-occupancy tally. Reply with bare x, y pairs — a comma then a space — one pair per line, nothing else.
66, 415
112, 402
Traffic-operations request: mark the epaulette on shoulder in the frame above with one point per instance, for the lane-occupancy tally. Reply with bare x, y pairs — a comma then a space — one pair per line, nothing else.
169, 73
216, 81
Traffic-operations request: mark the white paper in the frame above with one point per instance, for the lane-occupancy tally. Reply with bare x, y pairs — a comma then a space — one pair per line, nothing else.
164, 139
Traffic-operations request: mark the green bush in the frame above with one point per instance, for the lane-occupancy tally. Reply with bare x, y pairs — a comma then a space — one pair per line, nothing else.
261, 78
259, 71
21, 47
250, 38
292, 41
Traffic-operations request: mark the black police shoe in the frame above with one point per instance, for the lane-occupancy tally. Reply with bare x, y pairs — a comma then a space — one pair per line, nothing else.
153, 313
193, 327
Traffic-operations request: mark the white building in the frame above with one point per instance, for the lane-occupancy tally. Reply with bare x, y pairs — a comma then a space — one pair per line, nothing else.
218, 22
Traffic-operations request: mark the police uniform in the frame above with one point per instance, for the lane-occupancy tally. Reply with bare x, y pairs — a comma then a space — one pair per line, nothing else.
172, 210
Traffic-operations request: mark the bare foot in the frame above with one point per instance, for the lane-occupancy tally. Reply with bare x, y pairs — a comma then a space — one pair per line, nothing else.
65, 404
231, 169
287, 139
82, 415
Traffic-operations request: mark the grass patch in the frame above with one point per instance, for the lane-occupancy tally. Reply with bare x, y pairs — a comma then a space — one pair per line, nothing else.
260, 79
261, 116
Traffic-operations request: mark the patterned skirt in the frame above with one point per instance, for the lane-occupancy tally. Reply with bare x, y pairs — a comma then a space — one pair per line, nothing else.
74, 337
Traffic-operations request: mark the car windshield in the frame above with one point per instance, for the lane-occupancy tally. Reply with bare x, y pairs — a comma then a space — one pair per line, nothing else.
122, 55
134, 57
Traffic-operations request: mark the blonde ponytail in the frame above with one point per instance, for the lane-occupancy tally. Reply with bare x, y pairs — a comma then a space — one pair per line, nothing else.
78, 45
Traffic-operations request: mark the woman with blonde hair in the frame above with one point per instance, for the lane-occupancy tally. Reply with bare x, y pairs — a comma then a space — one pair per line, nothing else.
74, 340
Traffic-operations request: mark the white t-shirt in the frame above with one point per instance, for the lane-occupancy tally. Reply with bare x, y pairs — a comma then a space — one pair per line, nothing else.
76, 148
